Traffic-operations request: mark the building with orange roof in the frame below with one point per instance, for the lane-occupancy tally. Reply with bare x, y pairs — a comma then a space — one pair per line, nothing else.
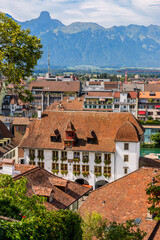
149, 105
88, 147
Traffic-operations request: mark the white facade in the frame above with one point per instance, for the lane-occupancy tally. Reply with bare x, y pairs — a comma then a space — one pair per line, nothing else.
119, 167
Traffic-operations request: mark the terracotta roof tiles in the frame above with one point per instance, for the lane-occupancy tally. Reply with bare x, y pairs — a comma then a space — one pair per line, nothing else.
105, 126
124, 199
56, 86
42, 181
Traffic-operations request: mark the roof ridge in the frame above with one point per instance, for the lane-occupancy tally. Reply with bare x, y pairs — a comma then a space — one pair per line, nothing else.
26, 172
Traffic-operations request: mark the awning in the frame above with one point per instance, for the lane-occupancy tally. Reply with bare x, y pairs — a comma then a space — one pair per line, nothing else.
157, 106
141, 112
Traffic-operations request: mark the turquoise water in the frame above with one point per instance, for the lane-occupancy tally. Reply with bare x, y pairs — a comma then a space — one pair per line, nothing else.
146, 151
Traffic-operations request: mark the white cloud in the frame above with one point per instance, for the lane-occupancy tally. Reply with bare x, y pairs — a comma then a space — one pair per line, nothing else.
105, 12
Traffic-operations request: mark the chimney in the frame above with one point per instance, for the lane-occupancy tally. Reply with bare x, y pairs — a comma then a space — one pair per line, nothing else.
39, 112
8, 166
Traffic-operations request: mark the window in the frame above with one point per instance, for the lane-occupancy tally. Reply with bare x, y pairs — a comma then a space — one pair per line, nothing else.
126, 158
64, 167
76, 154
107, 156
85, 157
107, 159
126, 146
85, 168
41, 164
31, 162
107, 170
97, 158
98, 169
31, 153
125, 170
85, 106
55, 167
54, 155
40, 154
116, 106
76, 168
63, 155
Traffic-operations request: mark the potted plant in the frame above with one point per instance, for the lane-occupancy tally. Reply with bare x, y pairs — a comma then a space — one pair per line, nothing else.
63, 159
55, 171
107, 175
97, 161
54, 159
85, 160
64, 172
76, 159
85, 173
76, 173
107, 161
32, 157
97, 174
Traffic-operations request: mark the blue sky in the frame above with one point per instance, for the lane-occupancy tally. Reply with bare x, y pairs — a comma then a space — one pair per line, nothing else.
104, 12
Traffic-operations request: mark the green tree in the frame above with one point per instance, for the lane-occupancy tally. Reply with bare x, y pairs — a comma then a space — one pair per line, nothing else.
95, 226
156, 139
19, 53
153, 191
13, 199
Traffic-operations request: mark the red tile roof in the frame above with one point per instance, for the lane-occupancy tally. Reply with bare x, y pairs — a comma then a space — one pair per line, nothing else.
42, 181
56, 86
68, 105
4, 132
124, 199
130, 95
105, 126
127, 131
21, 121
42, 191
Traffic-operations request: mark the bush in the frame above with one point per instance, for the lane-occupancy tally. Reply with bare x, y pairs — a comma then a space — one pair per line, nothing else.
57, 225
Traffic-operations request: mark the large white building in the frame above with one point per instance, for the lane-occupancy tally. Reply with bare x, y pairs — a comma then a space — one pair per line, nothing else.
87, 147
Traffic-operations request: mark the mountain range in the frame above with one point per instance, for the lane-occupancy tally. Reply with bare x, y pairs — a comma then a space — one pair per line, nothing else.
82, 43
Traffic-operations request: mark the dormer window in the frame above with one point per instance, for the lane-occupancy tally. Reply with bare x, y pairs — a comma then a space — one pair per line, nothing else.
70, 135
90, 137
54, 135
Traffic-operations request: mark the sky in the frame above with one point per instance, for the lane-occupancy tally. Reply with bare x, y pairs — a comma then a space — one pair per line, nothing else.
106, 13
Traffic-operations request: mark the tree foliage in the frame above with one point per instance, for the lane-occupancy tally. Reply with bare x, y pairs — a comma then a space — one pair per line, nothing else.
156, 139
13, 196
57, 225
19, 53
95, 226
153, 191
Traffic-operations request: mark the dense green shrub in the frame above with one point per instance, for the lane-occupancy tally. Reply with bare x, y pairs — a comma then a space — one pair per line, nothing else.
57, 225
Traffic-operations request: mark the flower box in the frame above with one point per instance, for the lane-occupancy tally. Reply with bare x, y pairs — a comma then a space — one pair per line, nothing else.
76, 173
85, 160
63, 159
97, 174
40, 158
56, 171
85, 173
107, 175
32, 157
98, 161
76, 160
107, 162
54, 159
64, 172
